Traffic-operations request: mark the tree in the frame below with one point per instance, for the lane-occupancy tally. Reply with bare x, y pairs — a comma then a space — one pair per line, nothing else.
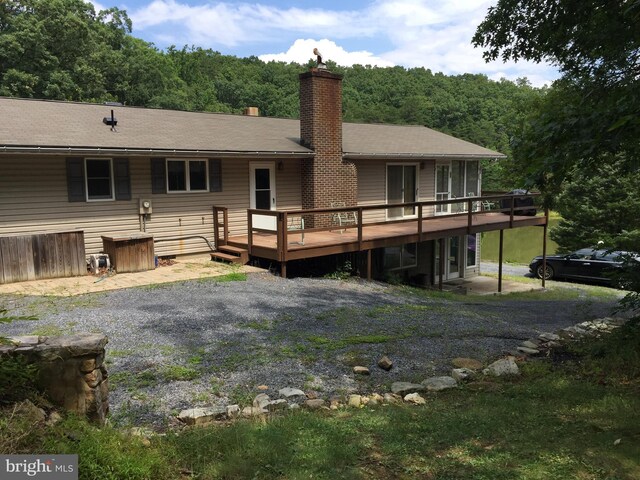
589, 121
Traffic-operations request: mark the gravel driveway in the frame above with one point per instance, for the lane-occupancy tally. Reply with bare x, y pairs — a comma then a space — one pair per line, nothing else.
205, 343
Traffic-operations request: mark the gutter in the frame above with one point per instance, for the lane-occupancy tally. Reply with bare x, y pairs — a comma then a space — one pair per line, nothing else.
419, 156
150, 152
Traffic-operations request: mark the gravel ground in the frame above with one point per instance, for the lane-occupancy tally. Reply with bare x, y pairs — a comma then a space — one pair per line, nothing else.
200, 343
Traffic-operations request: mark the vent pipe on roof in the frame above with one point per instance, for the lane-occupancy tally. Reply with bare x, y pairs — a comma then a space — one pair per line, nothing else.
112, 121
252, 111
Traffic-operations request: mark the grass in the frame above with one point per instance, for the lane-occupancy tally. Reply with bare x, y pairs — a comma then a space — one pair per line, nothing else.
579, 418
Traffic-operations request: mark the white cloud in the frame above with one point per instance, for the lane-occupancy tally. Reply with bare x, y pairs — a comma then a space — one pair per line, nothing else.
302, 50
435, 34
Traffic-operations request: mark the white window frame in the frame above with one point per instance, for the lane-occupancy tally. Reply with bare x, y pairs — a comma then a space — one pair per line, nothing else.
448, 208
186, 162
386, 187
111, 180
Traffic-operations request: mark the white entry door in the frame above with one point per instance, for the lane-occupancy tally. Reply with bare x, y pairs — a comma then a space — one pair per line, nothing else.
452, 258
263, 193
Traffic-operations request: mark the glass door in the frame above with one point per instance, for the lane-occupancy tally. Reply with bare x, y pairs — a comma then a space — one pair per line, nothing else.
442, 187
263, 193
401, 188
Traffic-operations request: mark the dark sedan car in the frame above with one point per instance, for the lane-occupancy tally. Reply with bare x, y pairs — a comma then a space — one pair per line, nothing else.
586, 264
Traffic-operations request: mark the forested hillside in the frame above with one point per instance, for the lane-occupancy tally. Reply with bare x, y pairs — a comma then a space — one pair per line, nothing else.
64, 50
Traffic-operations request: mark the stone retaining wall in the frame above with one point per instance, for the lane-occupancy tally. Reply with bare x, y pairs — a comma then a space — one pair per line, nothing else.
71, 371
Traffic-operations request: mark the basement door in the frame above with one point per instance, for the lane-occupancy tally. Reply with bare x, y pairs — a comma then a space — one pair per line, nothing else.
263, 193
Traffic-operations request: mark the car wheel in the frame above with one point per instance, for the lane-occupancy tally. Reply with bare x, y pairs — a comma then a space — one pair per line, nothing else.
548, 275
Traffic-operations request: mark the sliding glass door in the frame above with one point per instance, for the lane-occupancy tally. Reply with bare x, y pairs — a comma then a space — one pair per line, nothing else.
402, 187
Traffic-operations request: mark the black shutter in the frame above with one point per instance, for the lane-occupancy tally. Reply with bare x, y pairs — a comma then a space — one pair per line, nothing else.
122, 179
75, 179
158, 175
215, 175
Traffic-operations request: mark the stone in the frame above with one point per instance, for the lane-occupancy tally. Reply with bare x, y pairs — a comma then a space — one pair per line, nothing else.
31, 412
54, 418
261, 400
262, 387
25, 340
469, 363
80, 345
202, 416
385, 363
391, 398
436, 384
415, 398
354, 401
294, 406
233, 411
404, 388
528, 351
252, 412
94, 378
314, 404
499, 368
462, 374
549, 337
275, 405
288, 392
376, 397
530, 344
358, 370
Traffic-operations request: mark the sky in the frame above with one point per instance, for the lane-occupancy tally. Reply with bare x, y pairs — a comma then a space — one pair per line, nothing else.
434, 34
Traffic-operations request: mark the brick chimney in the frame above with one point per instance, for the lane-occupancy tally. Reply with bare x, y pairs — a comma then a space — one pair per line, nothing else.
327, 177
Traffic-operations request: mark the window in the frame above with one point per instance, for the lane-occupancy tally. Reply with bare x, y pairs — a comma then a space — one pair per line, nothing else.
401, 188
99, 179
472, 250
405, 256
187, 176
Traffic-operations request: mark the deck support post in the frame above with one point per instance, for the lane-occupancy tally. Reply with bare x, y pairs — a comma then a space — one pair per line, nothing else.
369, 276
500, 261
441, 263
544, 246
283, 269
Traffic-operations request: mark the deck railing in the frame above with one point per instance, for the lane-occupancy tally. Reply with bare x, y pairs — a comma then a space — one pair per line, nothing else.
469, 206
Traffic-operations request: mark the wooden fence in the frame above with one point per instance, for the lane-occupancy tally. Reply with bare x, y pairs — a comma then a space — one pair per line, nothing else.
45, 255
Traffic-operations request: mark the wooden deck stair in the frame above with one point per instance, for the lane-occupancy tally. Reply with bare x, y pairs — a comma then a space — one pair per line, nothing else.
231, 254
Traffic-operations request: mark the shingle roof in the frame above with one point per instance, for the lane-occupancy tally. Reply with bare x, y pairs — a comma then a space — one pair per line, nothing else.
33, 124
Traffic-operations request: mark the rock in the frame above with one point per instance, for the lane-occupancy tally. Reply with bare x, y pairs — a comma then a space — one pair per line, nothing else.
372, 401
376, 397
385, 363
25, 340
436, 384
462, 374
549, 337
233, 411
262, 387
354, 401
54, 418
253, 412
202, 416
499, 368
358, 370
365, 400
530, 344
288, 392
469, 363
294, 406
415, 398
334, 403
404, 388
31, 412
275, 405
528, 351
391, 398
314, 404
81, 345
261, 401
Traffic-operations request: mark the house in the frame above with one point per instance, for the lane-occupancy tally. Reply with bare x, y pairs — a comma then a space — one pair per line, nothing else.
403, 198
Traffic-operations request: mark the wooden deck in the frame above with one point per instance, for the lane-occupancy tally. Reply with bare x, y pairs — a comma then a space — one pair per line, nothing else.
283, 245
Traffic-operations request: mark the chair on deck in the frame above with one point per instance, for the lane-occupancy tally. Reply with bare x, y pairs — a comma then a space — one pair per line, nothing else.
294, 224
342, 219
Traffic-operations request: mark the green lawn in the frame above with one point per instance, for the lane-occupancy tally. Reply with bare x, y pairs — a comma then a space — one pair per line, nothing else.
520, 244
578, 419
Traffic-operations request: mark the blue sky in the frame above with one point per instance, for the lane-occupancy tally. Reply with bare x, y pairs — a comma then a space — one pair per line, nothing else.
434, 34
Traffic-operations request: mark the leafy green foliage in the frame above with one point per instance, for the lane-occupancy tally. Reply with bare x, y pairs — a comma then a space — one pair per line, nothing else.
17, 378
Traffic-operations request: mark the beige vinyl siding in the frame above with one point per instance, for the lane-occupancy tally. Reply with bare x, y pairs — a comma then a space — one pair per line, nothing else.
372, 186
33, 198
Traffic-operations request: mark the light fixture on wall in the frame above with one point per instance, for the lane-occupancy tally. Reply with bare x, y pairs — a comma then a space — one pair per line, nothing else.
280, 165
